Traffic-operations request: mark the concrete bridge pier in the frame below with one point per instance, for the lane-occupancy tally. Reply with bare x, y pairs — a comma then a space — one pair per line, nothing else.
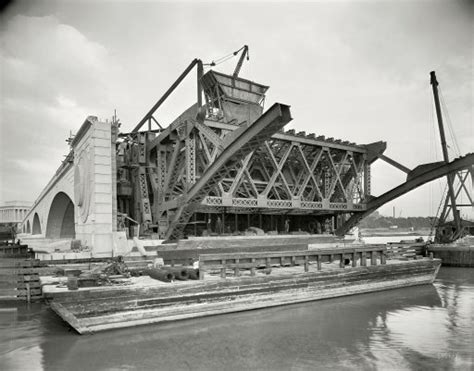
94, 179
78, 202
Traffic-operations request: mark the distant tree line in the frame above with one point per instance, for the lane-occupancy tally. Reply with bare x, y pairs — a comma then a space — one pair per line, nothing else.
375, 220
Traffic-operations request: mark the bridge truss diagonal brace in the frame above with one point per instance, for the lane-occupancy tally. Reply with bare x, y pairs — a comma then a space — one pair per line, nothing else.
311, 174
433, 173
278, 170
337, 178
246, 140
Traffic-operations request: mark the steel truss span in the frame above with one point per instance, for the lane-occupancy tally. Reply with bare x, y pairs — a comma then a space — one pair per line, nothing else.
226, 159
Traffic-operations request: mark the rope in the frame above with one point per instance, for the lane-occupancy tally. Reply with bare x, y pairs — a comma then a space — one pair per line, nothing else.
434, 223
223, 59
450, 127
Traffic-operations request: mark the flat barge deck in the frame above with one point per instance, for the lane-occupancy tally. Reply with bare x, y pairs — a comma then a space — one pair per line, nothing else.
303, 276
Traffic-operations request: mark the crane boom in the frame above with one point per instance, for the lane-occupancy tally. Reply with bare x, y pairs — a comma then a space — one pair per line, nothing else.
245, 53
444, 147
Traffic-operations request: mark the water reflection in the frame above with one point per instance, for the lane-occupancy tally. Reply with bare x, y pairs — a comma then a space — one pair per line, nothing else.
20, 334
424, 327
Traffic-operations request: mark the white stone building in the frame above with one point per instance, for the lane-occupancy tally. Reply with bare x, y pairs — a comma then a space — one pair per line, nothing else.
14, 211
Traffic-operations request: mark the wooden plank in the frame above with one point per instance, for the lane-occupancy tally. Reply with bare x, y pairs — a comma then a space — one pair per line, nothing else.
8, 292
24, 292
8, 279
220, 267
44, 271
10, 262
283, 254
223, 269
28, 278
183, 254
373, 258
236, 268
33, 285
68, 317
363, 259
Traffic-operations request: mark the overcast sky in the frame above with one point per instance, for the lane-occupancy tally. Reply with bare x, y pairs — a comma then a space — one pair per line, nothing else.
358, 71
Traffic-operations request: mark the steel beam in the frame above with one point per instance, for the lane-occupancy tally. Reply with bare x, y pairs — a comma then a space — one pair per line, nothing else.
165, 96
432, 174
247, 140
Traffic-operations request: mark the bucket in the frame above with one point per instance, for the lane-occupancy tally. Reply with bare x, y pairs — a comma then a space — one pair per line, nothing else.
72, 283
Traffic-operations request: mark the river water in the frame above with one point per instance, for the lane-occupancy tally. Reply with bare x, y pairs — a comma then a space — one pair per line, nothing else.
426, 327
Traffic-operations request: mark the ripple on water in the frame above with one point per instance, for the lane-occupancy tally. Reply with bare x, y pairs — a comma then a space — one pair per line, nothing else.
424, 327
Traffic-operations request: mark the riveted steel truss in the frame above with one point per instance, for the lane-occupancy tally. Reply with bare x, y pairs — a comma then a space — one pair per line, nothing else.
228, 157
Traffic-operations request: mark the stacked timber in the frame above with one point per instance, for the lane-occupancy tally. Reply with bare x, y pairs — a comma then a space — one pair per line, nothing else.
12, 251
188, 251
19, 279
405, 250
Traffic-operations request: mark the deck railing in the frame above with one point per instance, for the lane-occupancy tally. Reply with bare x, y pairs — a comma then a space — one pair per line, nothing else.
254, 260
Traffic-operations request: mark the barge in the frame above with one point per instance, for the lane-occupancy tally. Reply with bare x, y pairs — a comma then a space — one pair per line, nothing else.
236, 282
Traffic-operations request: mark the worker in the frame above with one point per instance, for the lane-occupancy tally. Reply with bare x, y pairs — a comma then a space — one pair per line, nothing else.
287, 225
319, 229
219, 225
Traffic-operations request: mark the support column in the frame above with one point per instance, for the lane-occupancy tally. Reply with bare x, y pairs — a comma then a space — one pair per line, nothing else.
94, 192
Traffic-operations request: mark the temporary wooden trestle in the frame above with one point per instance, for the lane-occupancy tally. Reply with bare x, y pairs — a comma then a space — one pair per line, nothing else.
226, 157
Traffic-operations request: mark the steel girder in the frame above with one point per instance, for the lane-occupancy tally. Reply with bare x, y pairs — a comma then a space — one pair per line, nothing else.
414, 180
284, 174
245, 140
280, 174
216, 162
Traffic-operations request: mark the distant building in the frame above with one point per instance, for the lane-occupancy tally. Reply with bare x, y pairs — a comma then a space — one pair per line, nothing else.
14, 211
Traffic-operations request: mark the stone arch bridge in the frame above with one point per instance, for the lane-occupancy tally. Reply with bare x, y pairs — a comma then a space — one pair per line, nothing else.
221, 166
77, 203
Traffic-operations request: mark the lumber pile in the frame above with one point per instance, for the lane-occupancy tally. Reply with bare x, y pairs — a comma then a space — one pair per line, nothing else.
405, 250
19, 279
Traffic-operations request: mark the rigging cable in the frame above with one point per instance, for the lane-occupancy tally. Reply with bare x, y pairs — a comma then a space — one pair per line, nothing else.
457, 149
223, 59
450, 127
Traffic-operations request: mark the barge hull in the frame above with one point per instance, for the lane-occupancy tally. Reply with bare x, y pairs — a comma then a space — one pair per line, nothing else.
108, 308
454, 256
